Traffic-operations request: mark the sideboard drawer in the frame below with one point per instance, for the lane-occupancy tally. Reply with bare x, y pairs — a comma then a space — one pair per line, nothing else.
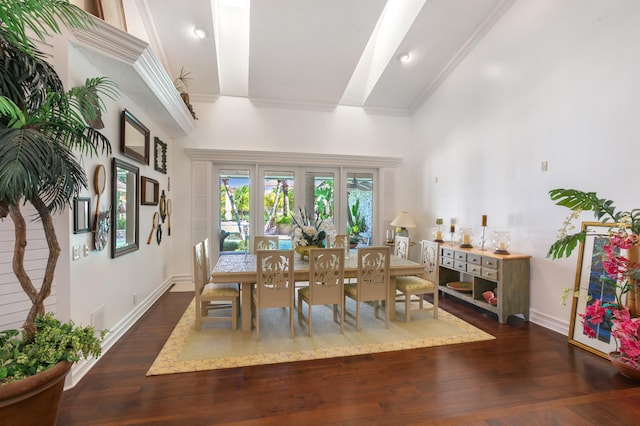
460, 266
474, 258
459, 255
447, 252
490, 262
474, 269
446, 261
489, 273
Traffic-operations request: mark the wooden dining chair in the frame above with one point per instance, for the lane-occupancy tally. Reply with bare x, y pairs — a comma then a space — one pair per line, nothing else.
265, 243
209, 296
401, 246
414, 288
274, 286
341, 241
326, 285
373, 281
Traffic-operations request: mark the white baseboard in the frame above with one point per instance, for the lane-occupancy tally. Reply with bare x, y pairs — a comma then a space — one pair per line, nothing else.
546, 321
80, 368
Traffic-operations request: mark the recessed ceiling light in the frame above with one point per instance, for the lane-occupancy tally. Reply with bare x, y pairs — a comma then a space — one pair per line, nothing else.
200, 32
404, 57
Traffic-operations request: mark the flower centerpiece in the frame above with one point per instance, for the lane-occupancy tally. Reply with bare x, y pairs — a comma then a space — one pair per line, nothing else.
309, 231
621, 271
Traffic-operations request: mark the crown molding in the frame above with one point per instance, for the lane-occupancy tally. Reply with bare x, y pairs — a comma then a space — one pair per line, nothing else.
300, 158
132, 65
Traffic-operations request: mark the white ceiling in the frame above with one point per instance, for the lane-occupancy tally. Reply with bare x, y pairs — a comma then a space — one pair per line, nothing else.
318, 52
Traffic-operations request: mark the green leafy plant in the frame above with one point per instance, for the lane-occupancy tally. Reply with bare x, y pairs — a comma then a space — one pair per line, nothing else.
356, 220
578, 201
182, 81
54, 342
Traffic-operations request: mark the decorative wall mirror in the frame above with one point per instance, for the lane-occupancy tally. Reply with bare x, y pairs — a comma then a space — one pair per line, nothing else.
125, 214
81, 215
150, 191
134, 138
160, 155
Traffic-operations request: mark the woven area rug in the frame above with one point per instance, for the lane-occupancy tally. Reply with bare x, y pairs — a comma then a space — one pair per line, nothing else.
216, 346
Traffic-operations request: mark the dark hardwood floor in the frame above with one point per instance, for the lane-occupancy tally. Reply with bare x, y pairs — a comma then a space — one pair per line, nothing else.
527, 376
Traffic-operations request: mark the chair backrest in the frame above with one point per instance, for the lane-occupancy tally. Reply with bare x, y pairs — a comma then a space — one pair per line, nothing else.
199, 265
402, 247
341, 241
430, 258
373, 273
275, 284
206, 266
265, 243
326, 276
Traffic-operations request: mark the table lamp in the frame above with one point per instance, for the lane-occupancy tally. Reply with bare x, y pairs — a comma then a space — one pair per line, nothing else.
402, 222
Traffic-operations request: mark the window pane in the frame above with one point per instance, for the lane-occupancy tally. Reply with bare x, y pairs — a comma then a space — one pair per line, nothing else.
319, 195
278, 202
234, 210
360, 207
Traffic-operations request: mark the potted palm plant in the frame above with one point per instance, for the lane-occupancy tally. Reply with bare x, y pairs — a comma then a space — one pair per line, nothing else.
41, 124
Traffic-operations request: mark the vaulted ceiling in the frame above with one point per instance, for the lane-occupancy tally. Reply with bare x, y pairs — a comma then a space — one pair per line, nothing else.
318, 52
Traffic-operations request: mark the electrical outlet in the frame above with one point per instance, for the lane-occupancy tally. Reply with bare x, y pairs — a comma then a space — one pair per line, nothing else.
75, 252
544, 166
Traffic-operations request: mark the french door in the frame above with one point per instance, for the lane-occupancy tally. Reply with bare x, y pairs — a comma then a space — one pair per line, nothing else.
260, 200
288, 190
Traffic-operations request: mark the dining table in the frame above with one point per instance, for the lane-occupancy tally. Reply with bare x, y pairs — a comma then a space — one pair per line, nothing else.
242, 269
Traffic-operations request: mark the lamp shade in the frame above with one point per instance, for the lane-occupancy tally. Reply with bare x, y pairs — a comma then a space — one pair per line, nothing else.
403, 220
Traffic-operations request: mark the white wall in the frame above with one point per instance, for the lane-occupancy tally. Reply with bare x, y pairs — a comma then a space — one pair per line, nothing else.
98, 281
553, 81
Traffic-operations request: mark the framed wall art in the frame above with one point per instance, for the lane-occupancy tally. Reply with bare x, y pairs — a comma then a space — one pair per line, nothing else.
81, 215
134, 138
125, 215
112, 12
160, 155
149, 191
589, 287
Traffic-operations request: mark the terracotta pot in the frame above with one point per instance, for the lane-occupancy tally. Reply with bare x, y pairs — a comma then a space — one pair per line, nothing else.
34, 400
627, 370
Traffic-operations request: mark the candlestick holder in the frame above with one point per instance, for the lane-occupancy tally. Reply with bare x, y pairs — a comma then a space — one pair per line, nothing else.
437, 232
466, 236
483, 239
501, 242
